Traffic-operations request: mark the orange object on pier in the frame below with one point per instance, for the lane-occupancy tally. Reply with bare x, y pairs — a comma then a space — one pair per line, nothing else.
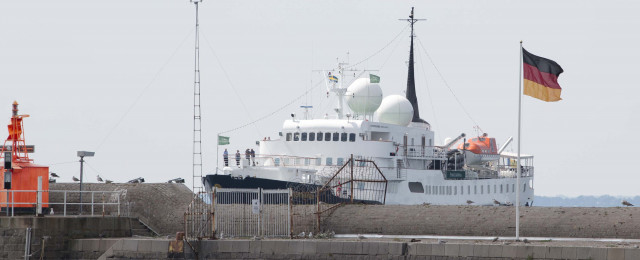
18, 173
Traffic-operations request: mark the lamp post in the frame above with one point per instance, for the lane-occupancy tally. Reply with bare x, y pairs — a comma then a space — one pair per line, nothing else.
82, 154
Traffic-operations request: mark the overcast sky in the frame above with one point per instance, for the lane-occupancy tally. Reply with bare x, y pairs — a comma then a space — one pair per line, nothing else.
116, 77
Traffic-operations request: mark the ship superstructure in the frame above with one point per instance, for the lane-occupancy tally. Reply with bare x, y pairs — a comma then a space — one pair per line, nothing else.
388, 131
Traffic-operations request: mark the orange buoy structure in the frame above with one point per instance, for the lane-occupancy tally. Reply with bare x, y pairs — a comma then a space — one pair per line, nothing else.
20, 178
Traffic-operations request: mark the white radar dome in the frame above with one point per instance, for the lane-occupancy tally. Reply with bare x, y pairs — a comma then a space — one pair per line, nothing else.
363, 96
395, 109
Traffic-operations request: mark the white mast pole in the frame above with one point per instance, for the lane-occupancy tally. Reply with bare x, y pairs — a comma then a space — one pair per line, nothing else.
217, 153
518, 190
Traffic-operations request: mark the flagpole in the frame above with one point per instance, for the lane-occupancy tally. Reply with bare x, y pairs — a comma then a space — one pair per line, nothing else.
217, 153
519, 138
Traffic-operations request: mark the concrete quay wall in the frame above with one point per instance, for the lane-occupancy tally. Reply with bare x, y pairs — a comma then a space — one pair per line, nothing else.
55, 233
619, 222
337, 249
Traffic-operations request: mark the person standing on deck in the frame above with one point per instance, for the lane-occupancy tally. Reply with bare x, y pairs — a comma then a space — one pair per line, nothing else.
253, 157
247, 155
225, 156
238, 158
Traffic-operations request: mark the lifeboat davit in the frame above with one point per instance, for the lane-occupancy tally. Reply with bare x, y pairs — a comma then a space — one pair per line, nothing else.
480, 150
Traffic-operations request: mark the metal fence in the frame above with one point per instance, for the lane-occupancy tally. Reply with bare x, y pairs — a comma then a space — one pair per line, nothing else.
225, 213
60, 202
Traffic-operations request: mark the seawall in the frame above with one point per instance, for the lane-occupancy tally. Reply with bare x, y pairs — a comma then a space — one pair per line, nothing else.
485, 221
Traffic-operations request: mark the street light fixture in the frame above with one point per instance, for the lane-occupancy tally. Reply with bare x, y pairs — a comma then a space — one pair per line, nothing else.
83, 154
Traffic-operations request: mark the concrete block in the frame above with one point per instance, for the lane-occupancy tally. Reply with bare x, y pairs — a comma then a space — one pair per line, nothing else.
105, 244
240, 246
509, 251
336, 247
569, 253
323, 247
466, 250
524, 252
411, 249
255, 247
423, 249
296, 247
452, 249
495, 251
225, 246
309, 247
631, 254
91, 245
554, 252
160, 246
395, 248
130, 245
383, 248
615, 253
144, 245
540, 252
437, 249
268, 248
370, 248
481, 250
282, 247
352, 248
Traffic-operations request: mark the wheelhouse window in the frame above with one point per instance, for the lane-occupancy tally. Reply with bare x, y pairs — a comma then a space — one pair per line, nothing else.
288, 137
352, 137
312, 136
329, 161
336, 137
276, 161
303, 137
296, 137
327, 137
340, 161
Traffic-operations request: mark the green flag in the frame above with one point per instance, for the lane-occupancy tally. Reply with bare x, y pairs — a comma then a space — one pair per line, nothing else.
223, 140
374, 78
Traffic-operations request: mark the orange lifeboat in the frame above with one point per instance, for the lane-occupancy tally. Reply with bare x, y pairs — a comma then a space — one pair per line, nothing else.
479, 150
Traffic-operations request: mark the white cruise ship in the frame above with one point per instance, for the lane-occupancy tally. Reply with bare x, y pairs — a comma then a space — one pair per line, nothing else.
388, 146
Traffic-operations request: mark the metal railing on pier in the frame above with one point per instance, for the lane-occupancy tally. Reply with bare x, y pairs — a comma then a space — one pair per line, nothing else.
60, 202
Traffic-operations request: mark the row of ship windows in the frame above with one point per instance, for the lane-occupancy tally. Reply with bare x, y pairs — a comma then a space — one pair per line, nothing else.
453, 190
320, 136
317, 161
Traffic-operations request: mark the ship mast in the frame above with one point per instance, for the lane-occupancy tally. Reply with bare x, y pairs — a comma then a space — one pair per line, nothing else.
197, 126
411, 82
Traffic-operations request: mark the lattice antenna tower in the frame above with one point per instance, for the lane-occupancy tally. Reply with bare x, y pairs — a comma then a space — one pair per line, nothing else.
197, 118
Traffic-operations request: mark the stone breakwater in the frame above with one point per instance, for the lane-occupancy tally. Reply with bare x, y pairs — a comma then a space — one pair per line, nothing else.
620, 222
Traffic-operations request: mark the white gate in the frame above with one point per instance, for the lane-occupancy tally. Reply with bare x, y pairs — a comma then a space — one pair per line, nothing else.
252, 212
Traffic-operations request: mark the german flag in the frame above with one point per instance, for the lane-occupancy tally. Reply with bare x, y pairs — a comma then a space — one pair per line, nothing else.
541, 77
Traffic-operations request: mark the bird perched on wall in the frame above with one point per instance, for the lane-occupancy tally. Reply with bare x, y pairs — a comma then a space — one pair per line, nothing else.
626, 203
496, 202
469, 202
108, 181
75, 179
54, 175
99, 179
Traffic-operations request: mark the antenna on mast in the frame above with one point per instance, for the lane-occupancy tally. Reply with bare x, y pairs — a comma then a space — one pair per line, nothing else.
411, 81
197, 126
